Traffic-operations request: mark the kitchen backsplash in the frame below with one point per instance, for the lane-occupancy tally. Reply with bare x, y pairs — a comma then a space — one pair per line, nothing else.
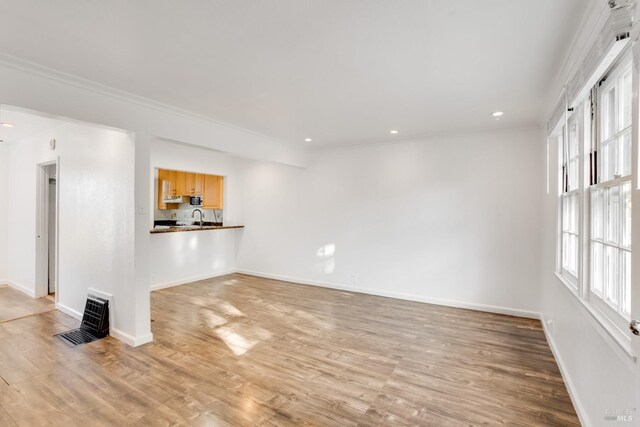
184, 212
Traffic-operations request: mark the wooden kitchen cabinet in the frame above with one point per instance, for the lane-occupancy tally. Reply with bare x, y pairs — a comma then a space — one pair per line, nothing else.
212, 194
166, 188
178, 183
181, 183
198, 184
193, 184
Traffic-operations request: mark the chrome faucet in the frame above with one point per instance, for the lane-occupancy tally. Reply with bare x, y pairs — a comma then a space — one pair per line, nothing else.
193, 215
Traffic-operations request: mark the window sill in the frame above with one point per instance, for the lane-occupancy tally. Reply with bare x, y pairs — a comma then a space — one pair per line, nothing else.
569, 284
620, 342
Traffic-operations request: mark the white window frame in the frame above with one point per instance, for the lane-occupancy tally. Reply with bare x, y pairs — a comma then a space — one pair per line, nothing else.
609, 309
589, 125
568, 165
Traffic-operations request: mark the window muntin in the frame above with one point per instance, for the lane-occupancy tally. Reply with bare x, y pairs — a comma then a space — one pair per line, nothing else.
570, 201
615, 126
610, 197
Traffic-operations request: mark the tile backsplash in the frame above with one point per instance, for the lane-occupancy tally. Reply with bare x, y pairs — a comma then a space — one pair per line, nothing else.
184, 212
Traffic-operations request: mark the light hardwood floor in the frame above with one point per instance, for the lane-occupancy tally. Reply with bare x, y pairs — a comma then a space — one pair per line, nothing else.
14, 304
239, 350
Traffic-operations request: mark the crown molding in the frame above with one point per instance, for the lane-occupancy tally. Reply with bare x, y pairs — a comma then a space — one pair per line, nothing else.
13, 62
594, 18
430, 137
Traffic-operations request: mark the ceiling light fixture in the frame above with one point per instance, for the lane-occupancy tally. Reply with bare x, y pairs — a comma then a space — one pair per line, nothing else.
7, 125
393, 131
307, 140
497, 114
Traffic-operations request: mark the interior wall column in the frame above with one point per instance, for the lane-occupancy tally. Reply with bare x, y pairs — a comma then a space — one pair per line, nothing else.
142, 238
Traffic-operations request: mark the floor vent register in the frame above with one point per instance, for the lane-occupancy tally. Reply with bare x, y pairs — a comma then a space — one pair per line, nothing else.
95, 323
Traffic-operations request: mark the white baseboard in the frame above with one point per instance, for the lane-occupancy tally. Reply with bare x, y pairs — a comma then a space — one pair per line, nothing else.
577, 403
116, 333
18, 287
69, 311
129, 339
399, 295
158, 286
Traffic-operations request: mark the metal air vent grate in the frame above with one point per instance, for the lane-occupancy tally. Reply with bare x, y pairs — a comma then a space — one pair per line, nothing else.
95, 323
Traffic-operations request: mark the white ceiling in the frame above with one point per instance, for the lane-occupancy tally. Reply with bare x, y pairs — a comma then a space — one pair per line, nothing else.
336, 71
26, 125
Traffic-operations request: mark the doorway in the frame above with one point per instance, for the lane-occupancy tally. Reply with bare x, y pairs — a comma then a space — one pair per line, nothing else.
51, 279
47, 231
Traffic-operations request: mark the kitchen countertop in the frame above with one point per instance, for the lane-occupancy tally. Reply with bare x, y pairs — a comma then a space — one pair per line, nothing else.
169, 229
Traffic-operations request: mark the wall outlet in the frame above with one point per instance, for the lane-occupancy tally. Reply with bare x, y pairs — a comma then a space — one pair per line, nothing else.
353, 279
550, 326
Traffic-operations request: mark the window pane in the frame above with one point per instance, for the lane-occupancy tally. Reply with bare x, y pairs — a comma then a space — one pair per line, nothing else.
570, 249
625, 279
573, 138
596, 267
610, 160
565, 251
574, 213
573, 174
624, 162
573, 262
625, 100
608, 113
626, 215
565, 214
570, 213
612, 214
611, 274
597, 213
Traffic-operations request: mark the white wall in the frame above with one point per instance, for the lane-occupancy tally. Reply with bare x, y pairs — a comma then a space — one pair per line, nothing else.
177, 258
184, 257
96, 216
452, 219
4, 178
36, 88
599, 374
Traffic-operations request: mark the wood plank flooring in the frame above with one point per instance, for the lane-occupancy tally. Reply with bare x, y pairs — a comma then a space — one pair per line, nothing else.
14, 304
239, 350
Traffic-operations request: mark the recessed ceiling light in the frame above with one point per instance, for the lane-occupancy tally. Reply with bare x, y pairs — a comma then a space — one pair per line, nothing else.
7, 125
307, 140
393, 131
497, 114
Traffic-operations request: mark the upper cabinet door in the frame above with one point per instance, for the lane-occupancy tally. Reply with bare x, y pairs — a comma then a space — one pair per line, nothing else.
166, 186
198, 184
181, 183
212, 195
189, 183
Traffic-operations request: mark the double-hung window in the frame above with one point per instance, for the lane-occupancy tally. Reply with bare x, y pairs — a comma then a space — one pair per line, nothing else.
570, 201
595, 189
610, 198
